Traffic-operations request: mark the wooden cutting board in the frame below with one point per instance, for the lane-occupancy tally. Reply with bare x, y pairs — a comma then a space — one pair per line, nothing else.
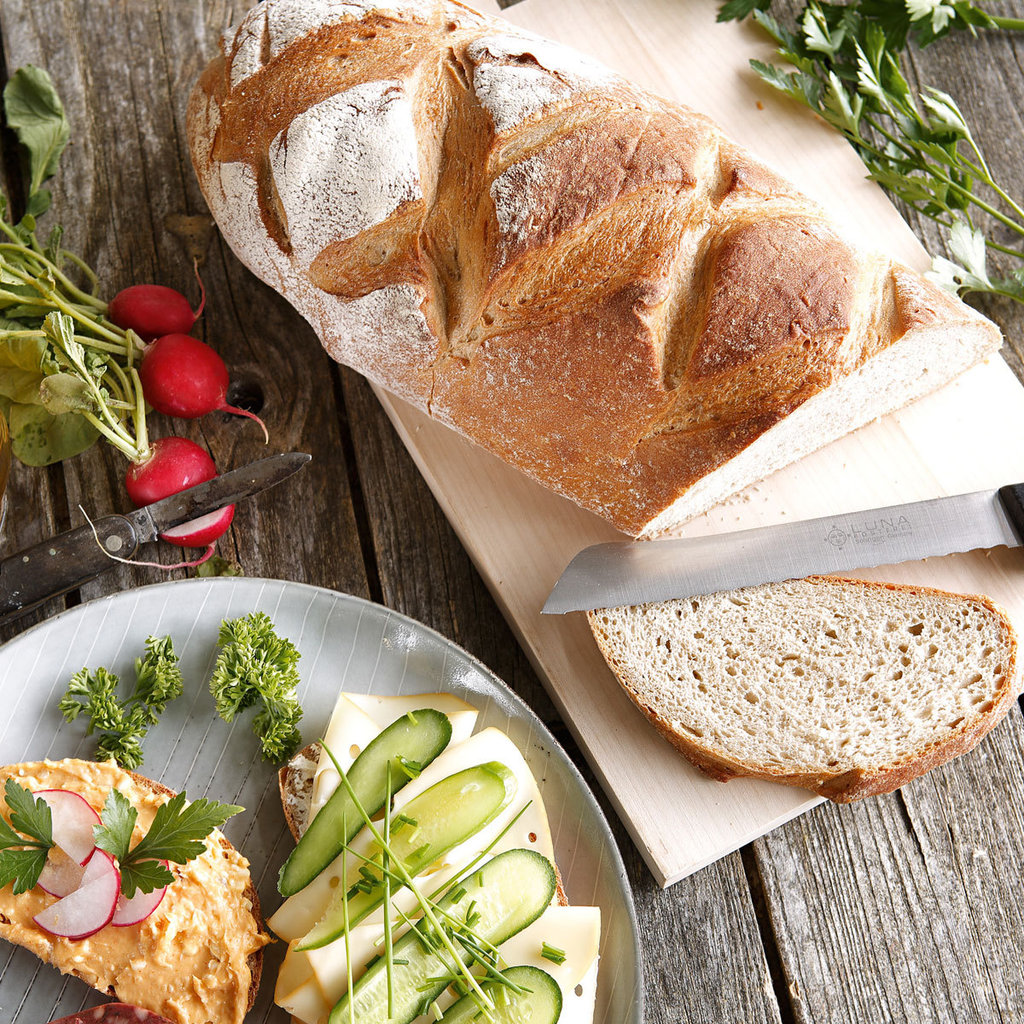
521, 536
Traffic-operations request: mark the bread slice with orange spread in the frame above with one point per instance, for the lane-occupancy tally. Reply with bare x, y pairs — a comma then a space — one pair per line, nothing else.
196, 959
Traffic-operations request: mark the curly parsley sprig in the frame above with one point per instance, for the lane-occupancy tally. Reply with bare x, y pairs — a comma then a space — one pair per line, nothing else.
257, 667
916, 145
123, 723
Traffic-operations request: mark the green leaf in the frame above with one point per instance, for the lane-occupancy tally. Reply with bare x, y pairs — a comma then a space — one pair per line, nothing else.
40, 438
38, 203
64, 392
217, 566
158, 678
29, 814
117, 822
22, 867
737, 10
21, 386
178, 829
256, 666
146, 875
35, 113
20, 353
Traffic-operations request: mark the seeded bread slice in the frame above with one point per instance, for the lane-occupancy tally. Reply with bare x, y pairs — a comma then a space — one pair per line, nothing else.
841, 686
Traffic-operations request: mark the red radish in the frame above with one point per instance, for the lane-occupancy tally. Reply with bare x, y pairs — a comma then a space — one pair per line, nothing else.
139, 907
61, 875
73, 822
174, 464
151, 310
90, 907
182, 376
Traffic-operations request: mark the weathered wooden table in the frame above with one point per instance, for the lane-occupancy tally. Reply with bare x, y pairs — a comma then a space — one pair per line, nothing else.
903, 908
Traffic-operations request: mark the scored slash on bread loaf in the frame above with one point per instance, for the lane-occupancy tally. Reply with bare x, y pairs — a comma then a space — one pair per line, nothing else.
841, 686
589, 281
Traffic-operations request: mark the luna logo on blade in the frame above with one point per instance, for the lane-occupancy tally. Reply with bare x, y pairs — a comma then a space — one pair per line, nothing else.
877, 531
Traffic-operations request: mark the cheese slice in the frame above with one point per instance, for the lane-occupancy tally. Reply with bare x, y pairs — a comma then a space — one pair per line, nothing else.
358, 717
384, 710
348, 732
300, 912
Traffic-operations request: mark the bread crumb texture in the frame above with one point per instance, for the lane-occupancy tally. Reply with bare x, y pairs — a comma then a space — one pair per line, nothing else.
816, 680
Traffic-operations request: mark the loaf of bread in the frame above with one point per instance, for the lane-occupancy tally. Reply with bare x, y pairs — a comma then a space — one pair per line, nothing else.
843, 687
589, 281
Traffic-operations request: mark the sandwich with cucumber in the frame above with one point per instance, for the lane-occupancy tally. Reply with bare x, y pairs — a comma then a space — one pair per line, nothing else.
423, 885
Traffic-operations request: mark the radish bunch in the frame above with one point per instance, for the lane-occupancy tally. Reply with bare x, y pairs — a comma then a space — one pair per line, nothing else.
85, 878
180, 376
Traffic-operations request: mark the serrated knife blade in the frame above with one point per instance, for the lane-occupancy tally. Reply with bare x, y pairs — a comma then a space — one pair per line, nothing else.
628, 573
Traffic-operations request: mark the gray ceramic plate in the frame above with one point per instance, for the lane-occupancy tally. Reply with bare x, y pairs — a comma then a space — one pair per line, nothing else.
346, 643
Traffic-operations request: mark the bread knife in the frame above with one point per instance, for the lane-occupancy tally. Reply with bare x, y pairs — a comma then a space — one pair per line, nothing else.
64, 562
637, 572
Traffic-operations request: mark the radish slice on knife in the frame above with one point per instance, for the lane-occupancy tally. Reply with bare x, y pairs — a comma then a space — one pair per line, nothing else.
139, 907
90, 907
61, 875
73, 821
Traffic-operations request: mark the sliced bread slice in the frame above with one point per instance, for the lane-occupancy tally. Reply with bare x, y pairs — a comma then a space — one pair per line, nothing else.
844, 687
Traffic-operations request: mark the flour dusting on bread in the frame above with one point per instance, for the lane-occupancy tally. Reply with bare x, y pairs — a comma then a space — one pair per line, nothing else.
446, 198
344, 165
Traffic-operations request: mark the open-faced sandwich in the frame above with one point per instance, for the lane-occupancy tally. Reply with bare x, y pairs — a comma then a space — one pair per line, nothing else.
116, 880
423, 887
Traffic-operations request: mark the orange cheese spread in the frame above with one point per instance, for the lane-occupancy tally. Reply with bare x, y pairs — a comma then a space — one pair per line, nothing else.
188, 961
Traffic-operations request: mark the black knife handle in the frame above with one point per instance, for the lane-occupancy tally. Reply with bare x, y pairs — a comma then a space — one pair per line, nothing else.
1012, 497
62, 563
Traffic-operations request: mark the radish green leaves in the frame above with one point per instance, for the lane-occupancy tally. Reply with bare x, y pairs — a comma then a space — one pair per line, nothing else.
35, 113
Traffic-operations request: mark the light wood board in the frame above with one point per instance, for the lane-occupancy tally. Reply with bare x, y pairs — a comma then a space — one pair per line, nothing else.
521, 536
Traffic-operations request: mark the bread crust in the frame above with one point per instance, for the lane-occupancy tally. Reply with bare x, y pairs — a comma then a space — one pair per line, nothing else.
255, 959
589, 281
844, 786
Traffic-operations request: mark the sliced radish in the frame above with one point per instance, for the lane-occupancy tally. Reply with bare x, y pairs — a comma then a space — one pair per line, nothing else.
139, 907
198, 532
61, 875
90, 907
73, 821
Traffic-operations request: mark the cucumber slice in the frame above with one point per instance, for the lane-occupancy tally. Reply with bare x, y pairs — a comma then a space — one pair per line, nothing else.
505, 895
541, 1003
417, 737
447, 814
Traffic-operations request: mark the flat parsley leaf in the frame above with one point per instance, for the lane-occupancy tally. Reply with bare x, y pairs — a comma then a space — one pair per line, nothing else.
117, 822
22, 867
256, 666
176, 834
21, 859
29, 814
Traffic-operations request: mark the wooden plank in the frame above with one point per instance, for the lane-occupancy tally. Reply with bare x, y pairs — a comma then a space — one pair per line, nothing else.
906, 908
701, 946
520, 536
126, 172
